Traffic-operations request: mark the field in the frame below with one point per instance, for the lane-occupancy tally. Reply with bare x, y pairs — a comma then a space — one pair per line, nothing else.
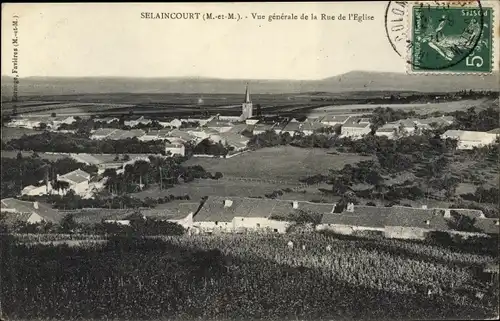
208, 187
9, 133
284, 163
424, 108
47, 156
185, 104
46, 108
247, 277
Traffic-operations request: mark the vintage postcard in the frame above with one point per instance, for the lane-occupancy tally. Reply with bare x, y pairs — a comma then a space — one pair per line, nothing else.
250, 161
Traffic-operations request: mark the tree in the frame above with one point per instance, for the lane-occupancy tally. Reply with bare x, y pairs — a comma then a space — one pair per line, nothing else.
258, 110
53, 115
60, 186
68, 224
463, 223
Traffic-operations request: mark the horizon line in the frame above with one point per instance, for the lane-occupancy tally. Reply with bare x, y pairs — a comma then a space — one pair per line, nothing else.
212, 77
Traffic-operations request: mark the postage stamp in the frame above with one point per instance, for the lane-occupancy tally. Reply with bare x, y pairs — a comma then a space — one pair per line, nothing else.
451, 39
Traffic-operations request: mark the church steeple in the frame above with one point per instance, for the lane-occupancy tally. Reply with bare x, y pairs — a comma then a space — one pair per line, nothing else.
246, 107
247, 96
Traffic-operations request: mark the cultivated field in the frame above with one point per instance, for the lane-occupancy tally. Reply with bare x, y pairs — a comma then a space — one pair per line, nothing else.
285, 163
424, 108
248, 277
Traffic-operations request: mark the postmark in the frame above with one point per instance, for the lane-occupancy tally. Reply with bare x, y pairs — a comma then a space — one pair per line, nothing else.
434, 37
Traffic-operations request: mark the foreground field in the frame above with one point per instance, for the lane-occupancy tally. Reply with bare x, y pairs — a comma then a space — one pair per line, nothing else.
286, 163
244, 277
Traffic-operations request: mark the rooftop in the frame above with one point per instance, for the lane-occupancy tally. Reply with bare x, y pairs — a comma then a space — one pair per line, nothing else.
372, 216
44, 210
76, 176
335, 118
469, 135
103, 131
214, 210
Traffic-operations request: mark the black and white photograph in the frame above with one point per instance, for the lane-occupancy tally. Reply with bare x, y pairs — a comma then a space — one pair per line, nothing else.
250, 161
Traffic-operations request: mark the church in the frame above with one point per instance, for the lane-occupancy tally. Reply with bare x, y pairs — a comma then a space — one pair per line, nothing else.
246, 111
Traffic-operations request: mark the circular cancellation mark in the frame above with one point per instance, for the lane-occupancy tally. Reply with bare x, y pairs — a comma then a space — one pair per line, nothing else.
440, 27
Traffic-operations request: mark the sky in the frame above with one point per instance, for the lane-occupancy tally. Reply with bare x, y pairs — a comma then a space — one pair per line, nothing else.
94, 39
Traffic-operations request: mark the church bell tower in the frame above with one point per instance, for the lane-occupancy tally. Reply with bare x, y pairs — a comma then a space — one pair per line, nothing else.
247, 107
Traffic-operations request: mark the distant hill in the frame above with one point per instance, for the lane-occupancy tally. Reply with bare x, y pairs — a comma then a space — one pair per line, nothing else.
351, 81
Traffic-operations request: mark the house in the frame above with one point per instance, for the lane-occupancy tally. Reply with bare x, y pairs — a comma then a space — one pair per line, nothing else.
388, 130
178, 135
78, 181
470, 139
175, 149
150, 135
251, 121
201, 121
181, 213
219, 125
237, 141
174, 123
32, 190
309, 127
55, 122
438, 121
401, 222
107, 120
232, 119
102, 161
239, 128
202, 133
355, 129
292, 128
405, 126
102, 133
262, 128
244, 214
28, 122
161, 134
30, 212
134, 121
126, 134
332, 120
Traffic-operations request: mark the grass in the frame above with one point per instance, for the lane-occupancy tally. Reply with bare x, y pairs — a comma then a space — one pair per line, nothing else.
207, 187
50, 157
9, 133
284, 163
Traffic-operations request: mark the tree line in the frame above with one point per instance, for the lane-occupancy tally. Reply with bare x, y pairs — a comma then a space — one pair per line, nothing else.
75, 143
161, 171
22, 171
138, 226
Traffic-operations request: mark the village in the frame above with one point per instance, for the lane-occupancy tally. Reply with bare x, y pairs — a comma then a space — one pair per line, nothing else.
236, 161
218, 214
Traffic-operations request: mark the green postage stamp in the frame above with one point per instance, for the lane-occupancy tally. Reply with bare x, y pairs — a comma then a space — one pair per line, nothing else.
451, 39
